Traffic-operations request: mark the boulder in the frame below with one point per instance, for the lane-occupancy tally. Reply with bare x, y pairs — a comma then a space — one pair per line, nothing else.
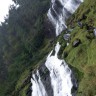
66, 36
76, 43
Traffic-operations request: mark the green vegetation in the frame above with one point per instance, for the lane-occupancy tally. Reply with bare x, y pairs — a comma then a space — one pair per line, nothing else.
23, 45
82, 59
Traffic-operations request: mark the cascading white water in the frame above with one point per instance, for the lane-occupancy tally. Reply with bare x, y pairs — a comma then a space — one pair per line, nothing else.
37, 86
60, 10
60, 74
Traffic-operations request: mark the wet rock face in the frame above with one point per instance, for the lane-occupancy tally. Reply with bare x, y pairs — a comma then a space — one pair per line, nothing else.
76, 43
46, 80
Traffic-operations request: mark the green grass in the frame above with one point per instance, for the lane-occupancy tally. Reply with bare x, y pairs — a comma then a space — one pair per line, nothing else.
82, 59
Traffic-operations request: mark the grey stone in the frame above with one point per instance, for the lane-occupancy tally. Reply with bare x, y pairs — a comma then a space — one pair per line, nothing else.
76, 42
66, 36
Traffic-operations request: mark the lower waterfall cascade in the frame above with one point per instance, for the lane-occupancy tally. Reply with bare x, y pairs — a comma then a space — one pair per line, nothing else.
60, 73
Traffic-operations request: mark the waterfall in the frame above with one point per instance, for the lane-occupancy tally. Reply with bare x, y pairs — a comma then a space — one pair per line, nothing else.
38, 88
60, 73
59, 12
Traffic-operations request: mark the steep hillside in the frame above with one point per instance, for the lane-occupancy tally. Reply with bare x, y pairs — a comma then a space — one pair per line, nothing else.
81, 51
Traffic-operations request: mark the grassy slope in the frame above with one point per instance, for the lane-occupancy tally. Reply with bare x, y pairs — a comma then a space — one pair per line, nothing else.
83, 58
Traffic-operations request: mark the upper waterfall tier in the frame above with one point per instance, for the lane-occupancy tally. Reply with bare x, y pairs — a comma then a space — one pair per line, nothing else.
60, 10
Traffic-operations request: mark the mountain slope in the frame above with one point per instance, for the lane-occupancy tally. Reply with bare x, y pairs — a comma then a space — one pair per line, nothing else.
82, 57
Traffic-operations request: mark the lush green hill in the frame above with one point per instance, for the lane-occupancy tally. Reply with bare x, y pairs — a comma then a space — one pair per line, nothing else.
83, 57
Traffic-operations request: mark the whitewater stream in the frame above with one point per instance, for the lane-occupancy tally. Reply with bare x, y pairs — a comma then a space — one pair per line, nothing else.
60, 73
